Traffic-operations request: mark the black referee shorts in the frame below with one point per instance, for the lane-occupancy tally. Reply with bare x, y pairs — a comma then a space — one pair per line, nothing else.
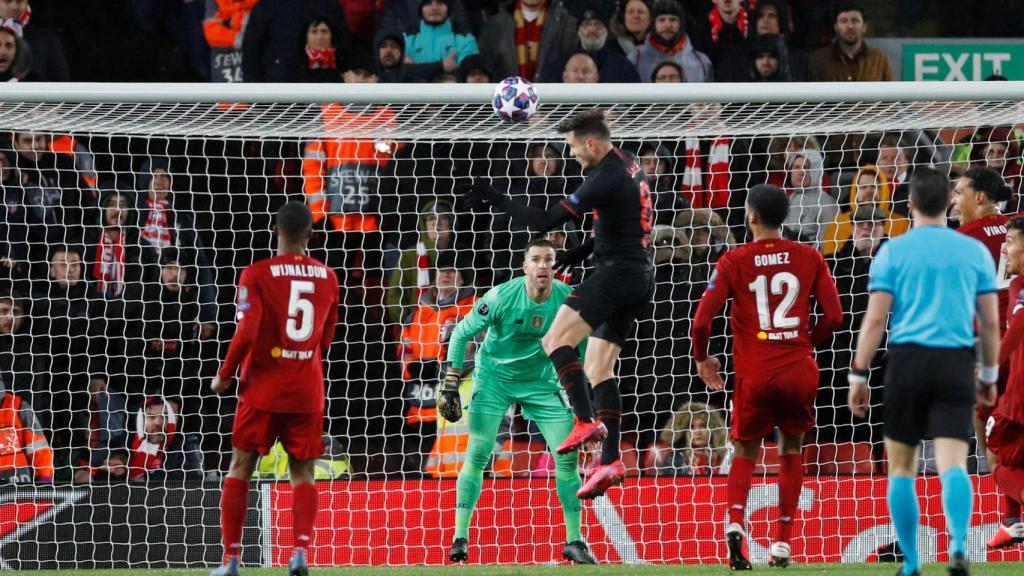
611, 298
929, 393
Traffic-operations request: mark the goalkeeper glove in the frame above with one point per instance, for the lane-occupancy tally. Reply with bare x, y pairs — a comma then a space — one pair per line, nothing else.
571, 258
449, 402
482, 196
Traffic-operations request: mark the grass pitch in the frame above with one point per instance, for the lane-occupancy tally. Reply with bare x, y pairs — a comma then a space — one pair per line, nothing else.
990, 569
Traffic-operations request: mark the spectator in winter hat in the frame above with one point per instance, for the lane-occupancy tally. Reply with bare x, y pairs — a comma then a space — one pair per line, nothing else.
436, 48
668, 41
592, 38
389, 50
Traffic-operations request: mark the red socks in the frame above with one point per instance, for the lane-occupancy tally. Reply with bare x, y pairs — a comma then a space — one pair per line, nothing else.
791, 478
1009, 508
304, 503
1011, 480
739, 487
234, 502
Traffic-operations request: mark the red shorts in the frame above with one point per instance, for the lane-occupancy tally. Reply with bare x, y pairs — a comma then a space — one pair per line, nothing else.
257, 431
1006, 440
784, 399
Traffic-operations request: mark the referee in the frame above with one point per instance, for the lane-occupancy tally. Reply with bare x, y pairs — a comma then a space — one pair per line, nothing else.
605, 306
935, 282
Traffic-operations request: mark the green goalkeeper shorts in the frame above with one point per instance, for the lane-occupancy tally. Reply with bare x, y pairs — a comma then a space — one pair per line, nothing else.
540, 403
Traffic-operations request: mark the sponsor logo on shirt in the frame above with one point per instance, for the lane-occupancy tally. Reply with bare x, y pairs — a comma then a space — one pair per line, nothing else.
291, 354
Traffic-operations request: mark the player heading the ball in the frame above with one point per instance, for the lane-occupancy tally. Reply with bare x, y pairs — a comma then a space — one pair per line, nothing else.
606, 304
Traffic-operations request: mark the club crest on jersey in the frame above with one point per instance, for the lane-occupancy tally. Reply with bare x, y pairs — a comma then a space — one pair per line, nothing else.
243, 299
483, 309
537, 322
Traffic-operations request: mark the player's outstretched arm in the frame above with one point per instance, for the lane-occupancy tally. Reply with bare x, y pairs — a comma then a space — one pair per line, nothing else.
871, 330
481, 196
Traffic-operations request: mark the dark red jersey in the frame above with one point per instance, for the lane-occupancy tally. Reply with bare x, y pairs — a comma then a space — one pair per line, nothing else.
770, 283
287, 308
1011, 403
991, 231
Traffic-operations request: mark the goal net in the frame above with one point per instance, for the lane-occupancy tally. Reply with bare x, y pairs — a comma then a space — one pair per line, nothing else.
131, 211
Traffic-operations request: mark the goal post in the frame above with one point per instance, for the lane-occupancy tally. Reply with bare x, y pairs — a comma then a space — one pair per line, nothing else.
157, 196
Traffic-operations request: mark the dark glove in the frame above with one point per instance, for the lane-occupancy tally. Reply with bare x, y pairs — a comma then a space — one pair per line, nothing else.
482, 196
572, 258
449, 403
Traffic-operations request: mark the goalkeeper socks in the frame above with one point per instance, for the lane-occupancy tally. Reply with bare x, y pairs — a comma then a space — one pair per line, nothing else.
1011, 480
303, 512
567, 477
791, 478
739, 487
467, 492
609, 411
905, 514
570, 373
958, 503
234, 502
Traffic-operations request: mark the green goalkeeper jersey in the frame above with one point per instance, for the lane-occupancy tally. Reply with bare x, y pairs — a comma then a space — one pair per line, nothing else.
515, 324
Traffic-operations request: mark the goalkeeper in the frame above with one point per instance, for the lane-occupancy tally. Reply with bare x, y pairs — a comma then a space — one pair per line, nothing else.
512, 367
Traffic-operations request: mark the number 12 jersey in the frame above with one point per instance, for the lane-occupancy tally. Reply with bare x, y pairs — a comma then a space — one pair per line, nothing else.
770, 283
287, 309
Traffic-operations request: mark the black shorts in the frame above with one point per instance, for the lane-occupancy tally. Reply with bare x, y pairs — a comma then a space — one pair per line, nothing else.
929, 393
611, 298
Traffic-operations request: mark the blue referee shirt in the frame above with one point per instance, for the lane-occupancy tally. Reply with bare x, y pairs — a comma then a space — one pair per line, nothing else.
935, 275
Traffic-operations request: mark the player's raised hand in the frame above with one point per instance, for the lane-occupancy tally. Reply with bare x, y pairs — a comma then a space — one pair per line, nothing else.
708, 370
859, 396
449, 402
219, 385
481, 196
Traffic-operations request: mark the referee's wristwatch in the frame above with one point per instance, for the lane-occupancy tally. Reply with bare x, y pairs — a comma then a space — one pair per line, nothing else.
857, 376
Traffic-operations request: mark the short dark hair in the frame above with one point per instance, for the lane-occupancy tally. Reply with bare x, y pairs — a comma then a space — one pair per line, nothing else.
770, 203
586, 124
1016, 223
848, 6
540, 243
63, 249
929, 191
294, 219
990, 182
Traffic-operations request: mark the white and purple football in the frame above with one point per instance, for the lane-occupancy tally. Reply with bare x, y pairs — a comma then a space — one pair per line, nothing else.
514, 99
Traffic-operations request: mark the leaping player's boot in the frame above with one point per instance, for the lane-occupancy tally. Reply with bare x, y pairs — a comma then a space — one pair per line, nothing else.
298, 565
779, 555
1007, 534
583, 433
958, 565
602, 478
460, 550
578, 553
736, 538
229, 568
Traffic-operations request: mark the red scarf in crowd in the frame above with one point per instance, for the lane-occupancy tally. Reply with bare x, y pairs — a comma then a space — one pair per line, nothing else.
528, 41
710, 188
422, 269
715, 18
145, 455
320, 58
156, 231
109, 267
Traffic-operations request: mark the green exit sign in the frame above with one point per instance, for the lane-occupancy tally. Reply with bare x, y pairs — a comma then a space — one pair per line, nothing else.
962, 61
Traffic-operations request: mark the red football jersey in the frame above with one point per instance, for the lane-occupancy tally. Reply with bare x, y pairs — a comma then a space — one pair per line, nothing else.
1011, 403
991, 231
771, 283
287, 310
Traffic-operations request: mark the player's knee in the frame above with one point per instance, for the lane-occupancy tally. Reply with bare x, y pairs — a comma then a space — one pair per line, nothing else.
566, 464
478, 454
549, 343
243, 464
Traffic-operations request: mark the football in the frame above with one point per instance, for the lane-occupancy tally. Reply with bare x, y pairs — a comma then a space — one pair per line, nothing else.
514, 99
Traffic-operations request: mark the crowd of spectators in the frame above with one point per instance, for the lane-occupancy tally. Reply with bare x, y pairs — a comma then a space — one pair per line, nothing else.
116, 301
